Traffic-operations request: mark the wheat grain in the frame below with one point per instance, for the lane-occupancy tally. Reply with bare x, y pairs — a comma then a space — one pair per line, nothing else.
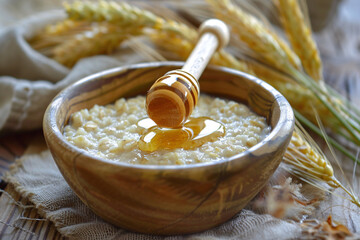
300, 37
125, 15
300, 98
174, 37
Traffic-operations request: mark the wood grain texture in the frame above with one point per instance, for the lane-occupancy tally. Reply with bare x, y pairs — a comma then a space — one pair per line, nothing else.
172, 98
168, 199
12, 146
17, 223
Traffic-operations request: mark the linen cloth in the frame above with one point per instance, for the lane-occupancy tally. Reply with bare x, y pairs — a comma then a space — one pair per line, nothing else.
36, 177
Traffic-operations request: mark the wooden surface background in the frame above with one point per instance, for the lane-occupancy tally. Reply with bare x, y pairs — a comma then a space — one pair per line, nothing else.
17, 222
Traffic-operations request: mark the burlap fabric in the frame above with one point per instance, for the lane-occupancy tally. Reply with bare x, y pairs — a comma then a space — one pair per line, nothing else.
36, 177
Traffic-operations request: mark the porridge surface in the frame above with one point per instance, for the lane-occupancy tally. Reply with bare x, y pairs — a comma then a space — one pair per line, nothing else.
111, 132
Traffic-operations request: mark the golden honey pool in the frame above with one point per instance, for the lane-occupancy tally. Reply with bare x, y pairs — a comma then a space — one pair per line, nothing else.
169, 199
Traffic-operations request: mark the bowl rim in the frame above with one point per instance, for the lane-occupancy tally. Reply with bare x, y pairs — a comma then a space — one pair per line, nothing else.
286, 119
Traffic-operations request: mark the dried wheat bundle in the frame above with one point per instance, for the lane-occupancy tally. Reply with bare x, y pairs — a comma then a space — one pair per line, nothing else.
300, 36
344, 118
173, 36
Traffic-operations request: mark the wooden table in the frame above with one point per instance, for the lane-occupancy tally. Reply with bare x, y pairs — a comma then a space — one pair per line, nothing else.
17, 222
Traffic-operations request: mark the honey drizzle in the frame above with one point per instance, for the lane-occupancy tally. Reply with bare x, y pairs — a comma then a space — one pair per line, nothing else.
194, 133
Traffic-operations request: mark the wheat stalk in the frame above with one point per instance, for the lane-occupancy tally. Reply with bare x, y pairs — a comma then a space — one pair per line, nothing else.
300, 36
349, 120
254, 34
305, 160
301, 98
305, 103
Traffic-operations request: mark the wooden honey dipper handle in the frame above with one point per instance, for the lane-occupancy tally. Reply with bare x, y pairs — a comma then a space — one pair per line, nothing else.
172, 98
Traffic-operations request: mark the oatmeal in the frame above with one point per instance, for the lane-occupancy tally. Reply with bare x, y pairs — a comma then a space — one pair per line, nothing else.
112, 132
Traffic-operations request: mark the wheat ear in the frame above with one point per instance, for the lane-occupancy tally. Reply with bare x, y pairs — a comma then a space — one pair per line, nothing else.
117, 13
300, 37
305, 160
101, 39
253, 33
56, 34
125, 15
116, 22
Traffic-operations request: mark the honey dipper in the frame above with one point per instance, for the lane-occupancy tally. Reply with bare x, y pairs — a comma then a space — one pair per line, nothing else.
172, 98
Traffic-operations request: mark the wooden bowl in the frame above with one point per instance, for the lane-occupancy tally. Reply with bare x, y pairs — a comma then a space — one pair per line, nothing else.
168, 199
